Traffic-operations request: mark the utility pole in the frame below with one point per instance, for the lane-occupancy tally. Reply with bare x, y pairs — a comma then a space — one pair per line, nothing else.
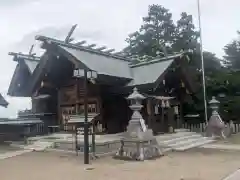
202, 60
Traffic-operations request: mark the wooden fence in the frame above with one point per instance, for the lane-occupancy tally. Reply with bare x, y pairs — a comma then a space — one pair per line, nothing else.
202, 126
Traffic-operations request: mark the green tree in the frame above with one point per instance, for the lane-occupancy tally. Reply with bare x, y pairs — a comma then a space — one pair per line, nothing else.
155, 36
232, 51
186, 35
211, 62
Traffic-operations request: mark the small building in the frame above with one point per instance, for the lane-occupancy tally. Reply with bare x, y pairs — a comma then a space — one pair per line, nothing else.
49, 80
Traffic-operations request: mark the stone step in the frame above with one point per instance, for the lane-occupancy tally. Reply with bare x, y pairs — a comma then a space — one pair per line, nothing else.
165, 137
187, 142
221, 147
181, 130
39, 145
166, 150
193, 145
181, 138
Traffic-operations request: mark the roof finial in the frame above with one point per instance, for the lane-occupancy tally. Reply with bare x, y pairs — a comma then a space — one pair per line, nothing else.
68, 38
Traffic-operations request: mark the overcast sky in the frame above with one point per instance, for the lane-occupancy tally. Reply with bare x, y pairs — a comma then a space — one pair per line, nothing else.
107, 22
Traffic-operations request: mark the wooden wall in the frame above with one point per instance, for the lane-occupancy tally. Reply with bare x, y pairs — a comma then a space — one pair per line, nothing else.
71, 99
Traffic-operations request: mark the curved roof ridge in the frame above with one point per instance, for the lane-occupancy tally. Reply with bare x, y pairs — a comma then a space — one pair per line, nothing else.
156, 60
79, 47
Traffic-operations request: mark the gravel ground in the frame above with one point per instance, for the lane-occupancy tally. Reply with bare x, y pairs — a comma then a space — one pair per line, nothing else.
192, 165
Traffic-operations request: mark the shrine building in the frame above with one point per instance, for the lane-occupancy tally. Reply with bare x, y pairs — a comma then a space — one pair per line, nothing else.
166, 82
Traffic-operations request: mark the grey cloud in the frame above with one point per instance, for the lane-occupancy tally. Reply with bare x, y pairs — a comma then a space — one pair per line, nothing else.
58, 33
4, 3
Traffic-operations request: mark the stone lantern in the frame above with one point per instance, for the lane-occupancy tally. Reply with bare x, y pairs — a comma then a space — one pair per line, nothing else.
136, 124
138, 142
215, 126
214, 104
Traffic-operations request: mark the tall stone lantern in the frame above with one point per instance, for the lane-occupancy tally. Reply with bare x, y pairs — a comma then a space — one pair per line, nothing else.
137, 124
215, 127
214, 104
138, 142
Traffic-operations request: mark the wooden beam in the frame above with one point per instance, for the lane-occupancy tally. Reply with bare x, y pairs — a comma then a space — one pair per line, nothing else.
68, 38
48, 40
24, 56
117, 53
80, 43
91, 45
12, 53
31, 50
109, 51
101, 48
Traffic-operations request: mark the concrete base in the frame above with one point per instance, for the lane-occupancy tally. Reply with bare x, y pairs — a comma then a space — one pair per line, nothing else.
139, 149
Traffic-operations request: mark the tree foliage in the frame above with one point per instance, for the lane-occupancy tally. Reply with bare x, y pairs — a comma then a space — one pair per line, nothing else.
155, 36
186, 35
160, 36
232, 51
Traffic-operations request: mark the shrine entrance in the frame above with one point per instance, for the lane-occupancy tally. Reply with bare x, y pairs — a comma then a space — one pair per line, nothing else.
163, 114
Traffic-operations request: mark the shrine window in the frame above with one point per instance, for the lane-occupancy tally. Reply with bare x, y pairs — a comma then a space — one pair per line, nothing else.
69, 110
92, 108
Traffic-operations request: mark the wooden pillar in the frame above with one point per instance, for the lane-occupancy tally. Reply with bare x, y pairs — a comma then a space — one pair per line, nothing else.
150, 112
180, 119
34, 106
170, 117
77, 95
59, 113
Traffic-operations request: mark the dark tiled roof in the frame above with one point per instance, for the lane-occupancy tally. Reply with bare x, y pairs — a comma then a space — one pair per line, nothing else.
105, 65
104, 62
148, 72
30, 60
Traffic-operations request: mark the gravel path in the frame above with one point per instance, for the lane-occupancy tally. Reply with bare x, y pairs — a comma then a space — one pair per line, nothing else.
192, 165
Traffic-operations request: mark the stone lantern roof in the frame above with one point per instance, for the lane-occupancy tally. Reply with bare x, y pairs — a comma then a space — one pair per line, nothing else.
214, 101
135, 95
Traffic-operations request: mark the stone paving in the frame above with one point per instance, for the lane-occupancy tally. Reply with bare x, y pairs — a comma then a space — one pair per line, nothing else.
233, 176
13, 153
193, 165
220, 161
222, 146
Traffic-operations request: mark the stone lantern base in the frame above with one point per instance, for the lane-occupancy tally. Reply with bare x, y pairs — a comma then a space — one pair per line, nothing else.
139, 149
216, 126
138, 142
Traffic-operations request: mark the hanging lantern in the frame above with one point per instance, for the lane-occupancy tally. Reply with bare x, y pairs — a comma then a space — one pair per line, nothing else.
182, 84
167, 104
163, 104
42, 84
156, 109
175, 109
164, 82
